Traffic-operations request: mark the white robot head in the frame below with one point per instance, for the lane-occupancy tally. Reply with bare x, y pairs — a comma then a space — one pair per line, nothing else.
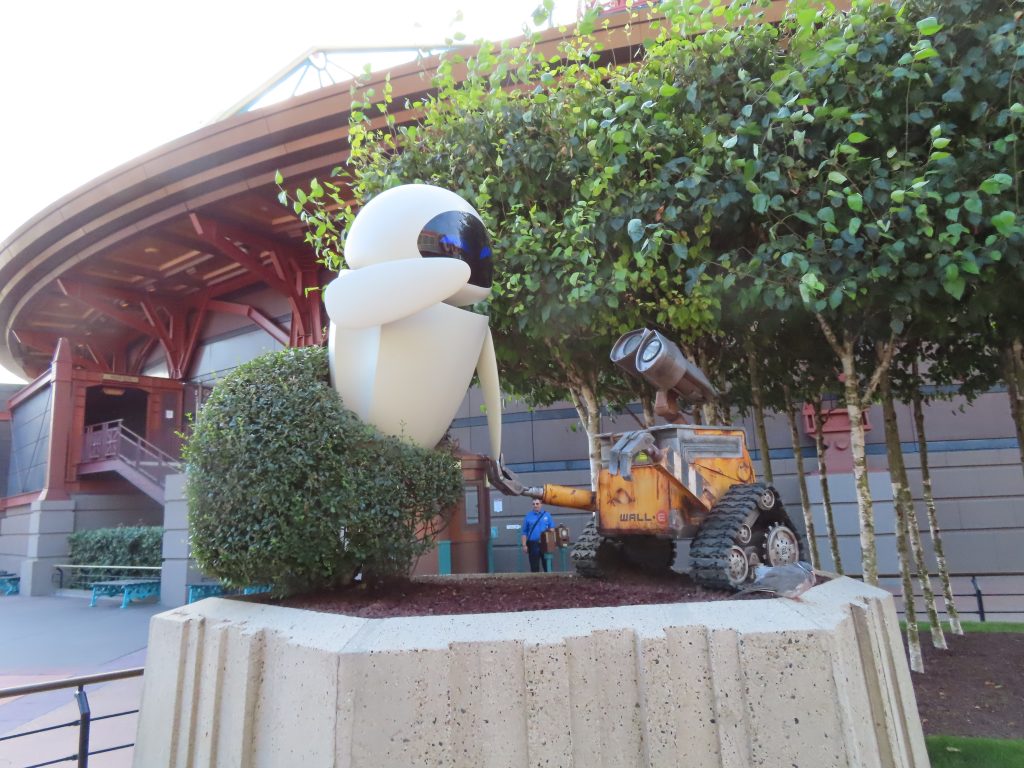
420, 221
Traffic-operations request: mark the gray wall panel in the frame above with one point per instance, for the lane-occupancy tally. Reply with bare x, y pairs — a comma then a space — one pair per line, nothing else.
220, 357
556, 441
30, 443
988, 417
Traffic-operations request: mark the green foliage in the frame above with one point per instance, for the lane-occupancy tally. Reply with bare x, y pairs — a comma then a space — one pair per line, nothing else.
965, 752
571, 163
853, 171
286, 486
124, 545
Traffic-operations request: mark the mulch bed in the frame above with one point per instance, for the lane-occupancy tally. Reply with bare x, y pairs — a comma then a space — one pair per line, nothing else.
434, 596
976, 688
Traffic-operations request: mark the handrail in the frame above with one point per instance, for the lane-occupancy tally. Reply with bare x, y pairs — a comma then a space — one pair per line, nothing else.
976, 592
117, 567
59, 569
71, 682
118, 426
137, 459
85, 715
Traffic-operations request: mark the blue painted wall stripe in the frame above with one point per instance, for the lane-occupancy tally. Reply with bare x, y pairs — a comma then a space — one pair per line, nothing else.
874, 449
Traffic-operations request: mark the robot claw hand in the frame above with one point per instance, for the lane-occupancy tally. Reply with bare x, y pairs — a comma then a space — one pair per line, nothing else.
626, 449
507, 481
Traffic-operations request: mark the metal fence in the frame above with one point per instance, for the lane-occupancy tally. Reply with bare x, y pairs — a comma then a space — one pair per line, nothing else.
85, 716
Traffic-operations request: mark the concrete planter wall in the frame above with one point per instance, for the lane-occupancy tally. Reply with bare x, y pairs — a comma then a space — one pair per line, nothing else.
812, 683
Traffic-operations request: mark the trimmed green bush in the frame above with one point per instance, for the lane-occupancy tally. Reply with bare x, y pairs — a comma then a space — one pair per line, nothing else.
287, 487
124, 545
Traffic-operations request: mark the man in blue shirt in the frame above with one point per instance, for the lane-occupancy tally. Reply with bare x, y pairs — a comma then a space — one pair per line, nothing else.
535, 523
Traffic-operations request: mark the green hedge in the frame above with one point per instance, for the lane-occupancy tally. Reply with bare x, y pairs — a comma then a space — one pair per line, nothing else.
287, 487
124, 545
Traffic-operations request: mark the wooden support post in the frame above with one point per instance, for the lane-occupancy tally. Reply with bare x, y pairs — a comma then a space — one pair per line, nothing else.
61, 409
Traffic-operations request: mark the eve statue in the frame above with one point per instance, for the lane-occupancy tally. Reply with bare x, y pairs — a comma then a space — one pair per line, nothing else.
402, 351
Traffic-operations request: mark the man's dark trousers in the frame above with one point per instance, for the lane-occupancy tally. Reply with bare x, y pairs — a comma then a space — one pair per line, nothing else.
537, 560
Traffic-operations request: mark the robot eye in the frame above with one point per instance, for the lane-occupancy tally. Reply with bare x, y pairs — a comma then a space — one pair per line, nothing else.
459, 235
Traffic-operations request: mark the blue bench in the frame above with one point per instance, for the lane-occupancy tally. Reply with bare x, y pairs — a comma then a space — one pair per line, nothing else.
9, 583
131, 589
200, 591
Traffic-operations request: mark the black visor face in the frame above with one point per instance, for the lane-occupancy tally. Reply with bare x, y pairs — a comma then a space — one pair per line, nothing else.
459, 235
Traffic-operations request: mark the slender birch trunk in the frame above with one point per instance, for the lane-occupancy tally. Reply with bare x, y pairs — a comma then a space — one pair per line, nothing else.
805, 499
724, 414
895, 456
904, 503
707, 413
826, 494
933, 520
855, 403
647, 403
865, 506
913, 633
757, 401
1013, 373
589, 409
715, 413
902, 529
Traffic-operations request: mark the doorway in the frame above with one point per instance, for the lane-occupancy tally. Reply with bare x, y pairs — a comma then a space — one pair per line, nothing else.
109, 403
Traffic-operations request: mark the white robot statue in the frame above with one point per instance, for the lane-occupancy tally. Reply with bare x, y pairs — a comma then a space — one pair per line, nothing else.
402, 352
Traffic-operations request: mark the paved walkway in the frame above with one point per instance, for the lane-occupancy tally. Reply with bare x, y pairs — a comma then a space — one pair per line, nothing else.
50, 638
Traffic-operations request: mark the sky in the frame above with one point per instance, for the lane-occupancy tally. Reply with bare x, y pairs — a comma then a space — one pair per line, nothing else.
86, 86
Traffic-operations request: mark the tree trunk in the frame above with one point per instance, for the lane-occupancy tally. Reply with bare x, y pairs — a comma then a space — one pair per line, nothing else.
902, 529
855, 402
913, 634
647, 403
805, 500
716, 412
865, 507
903, 501
826, 495
933, 519
757, 401
589, 409
1013, 373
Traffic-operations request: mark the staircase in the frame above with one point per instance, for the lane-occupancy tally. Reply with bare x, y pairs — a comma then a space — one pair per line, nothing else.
112, 447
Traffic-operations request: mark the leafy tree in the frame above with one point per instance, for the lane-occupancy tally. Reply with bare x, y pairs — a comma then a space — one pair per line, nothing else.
286, 486
572, 163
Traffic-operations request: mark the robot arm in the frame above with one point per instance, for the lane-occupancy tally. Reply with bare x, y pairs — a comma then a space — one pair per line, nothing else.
487, 372
391, 290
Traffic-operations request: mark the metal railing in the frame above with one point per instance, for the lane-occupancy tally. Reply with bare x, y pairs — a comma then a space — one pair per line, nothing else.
82, 576
113, 440
85, 716
976, 592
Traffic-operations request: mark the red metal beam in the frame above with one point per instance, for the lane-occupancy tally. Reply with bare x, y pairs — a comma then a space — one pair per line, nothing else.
178, 339
245, 310
220, 239
288, 273
134, 367
47, 344
92, 295
175, 341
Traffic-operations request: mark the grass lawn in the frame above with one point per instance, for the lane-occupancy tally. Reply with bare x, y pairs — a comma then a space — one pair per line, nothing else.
961, 752
972, 626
